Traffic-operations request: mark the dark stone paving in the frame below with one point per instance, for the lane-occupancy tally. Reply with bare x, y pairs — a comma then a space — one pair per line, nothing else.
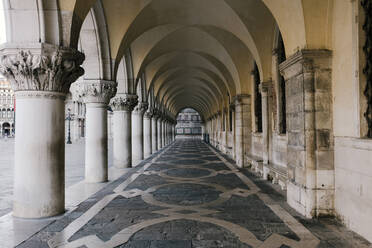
189, 197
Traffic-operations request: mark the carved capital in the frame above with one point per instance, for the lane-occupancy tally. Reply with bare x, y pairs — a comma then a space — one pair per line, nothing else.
48, 69
305, 61
141, 108
97, 91
124, 102
242, 99
149, 113
266, 87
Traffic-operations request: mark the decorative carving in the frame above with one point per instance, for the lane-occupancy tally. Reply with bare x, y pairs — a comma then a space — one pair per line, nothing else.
149, 113
97, 91
43, 72
141, 107
124, 102
367, 48
240, 99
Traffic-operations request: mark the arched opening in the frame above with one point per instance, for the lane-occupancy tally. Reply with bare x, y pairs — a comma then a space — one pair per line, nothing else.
281, 87
257, 100
6, 129
189, 124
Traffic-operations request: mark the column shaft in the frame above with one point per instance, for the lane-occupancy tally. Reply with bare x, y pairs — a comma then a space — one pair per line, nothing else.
39, 160
160, 134
122, 140
137, 137
96, 157
154, 128
147, 136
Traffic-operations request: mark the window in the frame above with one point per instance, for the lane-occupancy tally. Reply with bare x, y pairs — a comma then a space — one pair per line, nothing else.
281, 88
257, 99
367, 49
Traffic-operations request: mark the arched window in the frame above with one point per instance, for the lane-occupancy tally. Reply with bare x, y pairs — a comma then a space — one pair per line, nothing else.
281, 88
257, 99
367, 49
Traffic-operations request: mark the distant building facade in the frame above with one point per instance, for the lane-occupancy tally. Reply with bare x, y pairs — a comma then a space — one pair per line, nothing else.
7, 122
189, 123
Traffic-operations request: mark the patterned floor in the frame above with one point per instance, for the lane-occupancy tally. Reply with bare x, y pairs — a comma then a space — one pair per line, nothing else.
188, 195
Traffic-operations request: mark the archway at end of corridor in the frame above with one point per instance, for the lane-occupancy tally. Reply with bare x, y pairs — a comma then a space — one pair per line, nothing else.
189, 124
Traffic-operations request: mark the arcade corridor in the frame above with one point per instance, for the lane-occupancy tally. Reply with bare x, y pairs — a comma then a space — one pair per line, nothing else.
190, 195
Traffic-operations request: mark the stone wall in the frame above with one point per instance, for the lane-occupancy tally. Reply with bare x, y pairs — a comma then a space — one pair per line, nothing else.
310, 135
353, 183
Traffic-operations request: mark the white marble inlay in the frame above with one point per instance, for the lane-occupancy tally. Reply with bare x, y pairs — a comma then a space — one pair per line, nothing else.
197, 212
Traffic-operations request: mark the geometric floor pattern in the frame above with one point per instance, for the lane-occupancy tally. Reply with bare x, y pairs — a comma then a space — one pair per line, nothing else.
187, 195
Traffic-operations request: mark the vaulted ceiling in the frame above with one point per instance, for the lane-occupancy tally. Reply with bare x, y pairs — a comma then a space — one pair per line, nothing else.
199, 53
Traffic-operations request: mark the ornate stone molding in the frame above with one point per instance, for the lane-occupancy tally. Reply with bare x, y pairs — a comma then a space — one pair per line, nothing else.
124, 102
149, 113
97, 91
26, 94
367, 48
305, 61
54, 69
266, 87
140, 108
242, 99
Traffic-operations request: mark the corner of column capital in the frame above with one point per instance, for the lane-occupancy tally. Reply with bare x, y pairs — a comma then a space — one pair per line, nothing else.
124, 102
141, 108
97, 90
41, 67
242, 99
266, 87
149, 113
303, 61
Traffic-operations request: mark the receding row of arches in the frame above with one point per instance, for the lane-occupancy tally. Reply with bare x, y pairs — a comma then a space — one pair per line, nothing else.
268, 78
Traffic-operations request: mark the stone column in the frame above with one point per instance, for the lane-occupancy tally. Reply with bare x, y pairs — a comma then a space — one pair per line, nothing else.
154, 128
137, 132
96, 94
41, 79
163, 133
147, 134
123, 105
160, 133
265, 94
225, 133
310, 188
242, 127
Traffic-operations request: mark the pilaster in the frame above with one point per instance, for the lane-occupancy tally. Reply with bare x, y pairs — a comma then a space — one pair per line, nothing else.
242, 127
310, 136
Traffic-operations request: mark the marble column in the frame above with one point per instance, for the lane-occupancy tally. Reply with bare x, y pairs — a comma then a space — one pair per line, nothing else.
137, 132
123, 105
147, 134
160, 133
96, 94
154, 128
243, 127
163, 133
41, 80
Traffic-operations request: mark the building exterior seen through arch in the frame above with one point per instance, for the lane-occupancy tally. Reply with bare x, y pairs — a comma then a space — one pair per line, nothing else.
7, 108
189, 123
